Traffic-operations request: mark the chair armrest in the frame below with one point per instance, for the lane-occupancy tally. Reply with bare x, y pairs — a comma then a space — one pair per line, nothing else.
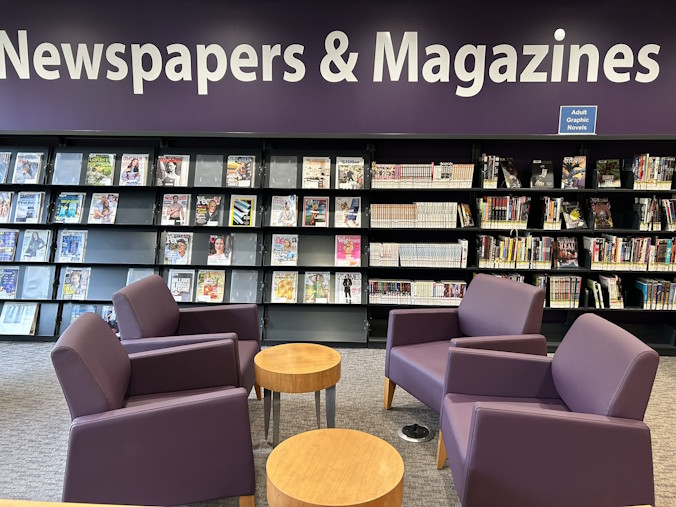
196, 366
535, 344
161, 342
241, 319
422, 325
495, 373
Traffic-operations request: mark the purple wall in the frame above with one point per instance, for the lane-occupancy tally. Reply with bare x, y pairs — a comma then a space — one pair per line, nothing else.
314, 105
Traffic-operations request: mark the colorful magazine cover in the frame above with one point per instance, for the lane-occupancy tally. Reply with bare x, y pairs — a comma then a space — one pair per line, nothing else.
19, 318
240, 171
75, 283
178, 248
5, 206
284, 250
8, 239
315, 211
103, 208
208, 210
348, 288
100, 169
220, 250
181, 283
134, 170
573, 172
8, 282
28, 207
27, 168
283, 211
316, 289
210, 286
172, 170
350, 172
242, 210
68, 209
175, 209
348, 212
5, 159
36, 243
348, 250
316, 172
72, 245
284, 285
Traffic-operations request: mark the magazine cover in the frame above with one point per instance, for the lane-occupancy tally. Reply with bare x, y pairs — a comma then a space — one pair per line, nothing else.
316, 172
348, 250
348, 288
19, 318
27, 168
284, 250
348, 211
220, 250
108, 314
283, 211
175, 209
240, 171
68, 209
100, 169
210, 286
103, 208
350, 172
5, 206
8, 281
566, 253
36, 243
28, 207
5, 159
77, 310
208, 210
573, 172
284, 284
180, 283
316, 287
71, 246
178, 248
315, 211
242, 210
134, 170
172, 170
8, 238
75, 283
67, 168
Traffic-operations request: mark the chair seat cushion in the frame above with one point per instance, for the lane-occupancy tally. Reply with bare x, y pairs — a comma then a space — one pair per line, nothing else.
247, 349
144, 399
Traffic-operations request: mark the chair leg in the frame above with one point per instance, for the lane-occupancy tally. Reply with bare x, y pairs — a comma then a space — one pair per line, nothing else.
441, 452
246, 501
389, 393
257, 388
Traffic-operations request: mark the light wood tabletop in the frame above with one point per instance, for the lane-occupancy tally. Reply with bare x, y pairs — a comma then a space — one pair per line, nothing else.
331, 467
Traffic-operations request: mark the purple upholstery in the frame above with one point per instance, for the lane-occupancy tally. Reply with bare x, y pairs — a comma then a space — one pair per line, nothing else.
526, 431
163, 427
150, 319
495, 313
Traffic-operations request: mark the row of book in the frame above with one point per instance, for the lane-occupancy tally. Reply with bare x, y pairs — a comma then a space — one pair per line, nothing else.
421, 215
643, 253
442, 175
503, 212
438, 255
416, 292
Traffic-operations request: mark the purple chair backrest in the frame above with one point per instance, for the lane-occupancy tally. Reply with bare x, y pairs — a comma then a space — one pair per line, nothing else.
146, 308
499, 306
600, 368
92, 366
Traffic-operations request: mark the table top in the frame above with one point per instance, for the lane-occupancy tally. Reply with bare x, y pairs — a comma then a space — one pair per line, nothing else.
297, 367
335, 467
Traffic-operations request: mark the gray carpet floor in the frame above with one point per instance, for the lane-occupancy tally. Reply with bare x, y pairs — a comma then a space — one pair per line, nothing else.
34, 423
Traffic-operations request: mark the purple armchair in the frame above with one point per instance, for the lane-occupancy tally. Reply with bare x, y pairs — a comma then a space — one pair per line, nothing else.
526, 431
162, 427
495, 313
150, 319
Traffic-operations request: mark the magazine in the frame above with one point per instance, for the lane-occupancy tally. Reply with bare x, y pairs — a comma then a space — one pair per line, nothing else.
284, 211
208, 210
67, 168
178, 248
5, 206
136, 274
348, 250
71, 246
103, 208
100, 169
210, 286
348, 288
220, 250
75, 283
180, 283
108, 314
315, 211
27, 168
8, 239
172, 170
29, 207
68, 209
242, 210
347, 212
5, 159
316, 287
175, 209
37, 282
134, 170
284, 250
573, 172
19, 318
77, 310
284, 284
9, 277
350, 172
240, 171
316, 172
36, 243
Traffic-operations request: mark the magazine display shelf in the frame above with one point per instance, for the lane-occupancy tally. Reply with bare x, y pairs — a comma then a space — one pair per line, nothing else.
137, 237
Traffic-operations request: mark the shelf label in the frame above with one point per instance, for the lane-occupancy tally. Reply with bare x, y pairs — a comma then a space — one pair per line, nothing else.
577, 120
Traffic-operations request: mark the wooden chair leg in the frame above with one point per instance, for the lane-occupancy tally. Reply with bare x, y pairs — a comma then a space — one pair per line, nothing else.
247, 501
257, 388
389, 393
441, 452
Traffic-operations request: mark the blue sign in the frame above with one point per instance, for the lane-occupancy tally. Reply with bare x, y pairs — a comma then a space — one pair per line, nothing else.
577, 120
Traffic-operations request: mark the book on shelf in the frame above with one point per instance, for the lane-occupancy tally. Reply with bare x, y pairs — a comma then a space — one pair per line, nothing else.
348, 250
316, 287
574, 171
542, 175
136, 274
35, 247
178, 248
284, 211
283, 171
600, 211
67, 168
103, 208
489, 172
37, 282
284, 250
77, 310
510, 172
8, 239
465, 215
134, 169
348, 288
208, 210
647, 213
71, 246
68, 208
552, 208
172, 171
27, 168
181, 283
5, 159
594, 289
284, 285
315, 211
19, 318
6, 199
29, 207
243, 286
175, 209
100, 169
349, 172
611, 286
242, 210
240, 171
220, 250
75, 283
608, 173
566, 253
210, 286
572, 215
316, 172
209, 171
347, 211
110, 317
9, 277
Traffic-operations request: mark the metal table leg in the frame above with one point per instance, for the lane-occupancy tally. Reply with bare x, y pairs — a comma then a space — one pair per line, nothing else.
317, 401
266, 410
331, 407
275, 419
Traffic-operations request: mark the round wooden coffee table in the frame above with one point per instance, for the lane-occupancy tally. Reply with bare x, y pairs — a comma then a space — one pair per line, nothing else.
332, 467
297, 368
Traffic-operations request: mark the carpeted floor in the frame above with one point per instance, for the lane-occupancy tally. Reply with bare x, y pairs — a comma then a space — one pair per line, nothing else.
34, 423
